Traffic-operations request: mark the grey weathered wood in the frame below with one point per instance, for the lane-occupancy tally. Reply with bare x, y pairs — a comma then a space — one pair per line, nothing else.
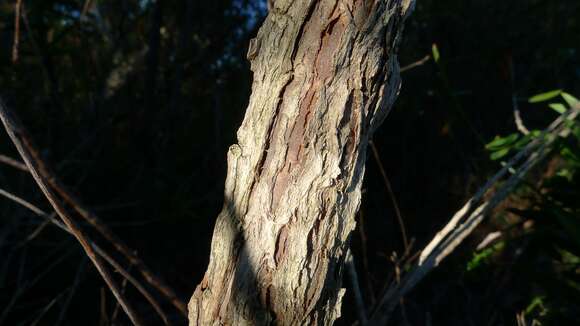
325, 76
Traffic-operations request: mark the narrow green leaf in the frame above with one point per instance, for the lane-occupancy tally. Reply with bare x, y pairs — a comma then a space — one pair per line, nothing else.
435, 51
500, 142
545, 96
571, 100
558, 107
499, 154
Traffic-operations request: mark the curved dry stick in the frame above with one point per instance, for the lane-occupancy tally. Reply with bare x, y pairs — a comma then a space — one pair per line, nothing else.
98, 250
13, 163
15, 131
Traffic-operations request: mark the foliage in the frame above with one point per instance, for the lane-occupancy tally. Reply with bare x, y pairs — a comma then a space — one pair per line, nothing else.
545, 245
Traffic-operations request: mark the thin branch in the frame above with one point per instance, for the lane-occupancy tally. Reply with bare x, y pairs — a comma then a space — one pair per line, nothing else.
21, 202
117, 307
134, 282
107, 233
391, 195
16, 132
13, 163
358, 297
468, 217
416, 63
72, 291
123, 248
365, 261
517, 117
34, 233
47, 308
102, 253
16, 43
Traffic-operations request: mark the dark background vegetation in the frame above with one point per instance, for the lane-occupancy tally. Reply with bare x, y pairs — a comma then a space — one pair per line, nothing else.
136, 102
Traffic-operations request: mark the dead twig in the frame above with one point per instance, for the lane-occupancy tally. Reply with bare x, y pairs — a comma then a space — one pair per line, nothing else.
416, 63
105, 231
517, 116
391, 195
71, 293
469, 216
102, 253
16, 132
16, 43
13, 163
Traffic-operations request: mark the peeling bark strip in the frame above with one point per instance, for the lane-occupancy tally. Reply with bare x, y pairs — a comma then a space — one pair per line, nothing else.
325, 76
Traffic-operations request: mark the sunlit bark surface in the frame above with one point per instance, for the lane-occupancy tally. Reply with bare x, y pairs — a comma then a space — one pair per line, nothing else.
325, 76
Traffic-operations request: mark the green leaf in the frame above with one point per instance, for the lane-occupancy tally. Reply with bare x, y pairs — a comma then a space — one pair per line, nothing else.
570, 155
483, 256
558, 107
500, 142
537, 302
435, 51
479, 258
545, 96
568, 257
499, 154
522, 142
571, 100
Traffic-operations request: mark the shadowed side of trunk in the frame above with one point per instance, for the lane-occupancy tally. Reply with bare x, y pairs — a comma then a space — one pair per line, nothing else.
325, 76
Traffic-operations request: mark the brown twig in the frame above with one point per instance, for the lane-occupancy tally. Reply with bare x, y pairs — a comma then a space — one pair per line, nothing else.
365, 260
117, 306
416, 63
391, 195
71, 294
123, 248
22, 142
102, 253
16, 43
107, 233
13, 163
135, 283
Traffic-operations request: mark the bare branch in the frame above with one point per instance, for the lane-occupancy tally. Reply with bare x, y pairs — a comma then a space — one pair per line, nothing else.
98, 250
391, 194
416, 63
16, 42
16, 132
13, 163
358, 298
94, 220
469, 216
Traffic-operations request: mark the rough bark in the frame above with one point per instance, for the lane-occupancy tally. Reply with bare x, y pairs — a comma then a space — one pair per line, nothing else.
325, 76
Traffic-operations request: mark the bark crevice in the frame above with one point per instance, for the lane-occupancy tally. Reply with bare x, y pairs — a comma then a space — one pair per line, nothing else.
325, 76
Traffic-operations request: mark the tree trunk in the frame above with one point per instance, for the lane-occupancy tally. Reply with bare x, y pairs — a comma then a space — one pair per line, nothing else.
325, 76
